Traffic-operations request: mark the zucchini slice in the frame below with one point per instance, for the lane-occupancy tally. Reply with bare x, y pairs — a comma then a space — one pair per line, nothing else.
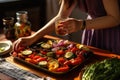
50, 54
45, 45
26, 52
43, 63
69, 55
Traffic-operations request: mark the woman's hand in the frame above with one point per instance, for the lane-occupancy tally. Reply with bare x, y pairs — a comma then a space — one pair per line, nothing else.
70, 24
22, 42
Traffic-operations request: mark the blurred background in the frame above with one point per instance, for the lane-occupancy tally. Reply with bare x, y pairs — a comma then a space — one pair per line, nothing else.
39, 13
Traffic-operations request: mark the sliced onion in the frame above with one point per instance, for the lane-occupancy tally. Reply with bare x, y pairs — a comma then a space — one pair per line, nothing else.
55, 49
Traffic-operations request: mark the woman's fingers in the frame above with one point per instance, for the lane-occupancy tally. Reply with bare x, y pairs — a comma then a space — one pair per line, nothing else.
18, 43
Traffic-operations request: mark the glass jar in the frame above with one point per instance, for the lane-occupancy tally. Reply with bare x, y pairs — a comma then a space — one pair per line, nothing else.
8, 23
22, 26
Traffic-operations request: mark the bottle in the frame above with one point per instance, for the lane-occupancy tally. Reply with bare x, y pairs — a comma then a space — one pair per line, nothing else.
22, 26
9, 31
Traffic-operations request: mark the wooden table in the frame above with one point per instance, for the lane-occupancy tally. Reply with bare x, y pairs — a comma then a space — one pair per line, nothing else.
73, 75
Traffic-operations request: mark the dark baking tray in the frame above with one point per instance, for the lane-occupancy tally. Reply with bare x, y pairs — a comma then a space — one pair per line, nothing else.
46, 70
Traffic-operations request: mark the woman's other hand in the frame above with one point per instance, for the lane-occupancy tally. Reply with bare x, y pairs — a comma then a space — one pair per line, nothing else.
71, 25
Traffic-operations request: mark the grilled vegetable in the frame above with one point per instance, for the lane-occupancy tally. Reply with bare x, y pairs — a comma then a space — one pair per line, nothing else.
63, 69
53, 65
26, 52
69, 55
45, 45
54, 55
50, 54
42, 63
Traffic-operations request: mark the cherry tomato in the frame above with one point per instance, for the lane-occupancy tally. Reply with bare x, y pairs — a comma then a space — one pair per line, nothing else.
74, 49
32, 55
36, 57
41, 59
67, 62
61, 60
43, 52
33, 61
60, 52
14, 54
63, 69
76, 61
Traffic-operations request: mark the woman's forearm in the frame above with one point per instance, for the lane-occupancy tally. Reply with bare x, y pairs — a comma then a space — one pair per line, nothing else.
111, 19
47, 29
50, 26
102, 22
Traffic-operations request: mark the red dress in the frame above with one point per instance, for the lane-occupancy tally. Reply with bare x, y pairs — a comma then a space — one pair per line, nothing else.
107, 39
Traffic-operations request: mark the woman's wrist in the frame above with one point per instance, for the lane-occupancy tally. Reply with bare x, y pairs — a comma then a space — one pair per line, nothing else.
33, 37
80, 24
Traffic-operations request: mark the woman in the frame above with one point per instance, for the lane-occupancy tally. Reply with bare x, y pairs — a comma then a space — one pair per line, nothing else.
102, 31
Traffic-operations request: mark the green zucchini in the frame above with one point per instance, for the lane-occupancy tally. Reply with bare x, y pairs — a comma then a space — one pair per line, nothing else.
43, 63
26, 52
69, 55
50, 54
45, 45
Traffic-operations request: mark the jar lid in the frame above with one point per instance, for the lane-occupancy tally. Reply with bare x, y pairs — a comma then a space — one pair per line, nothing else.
22, 15
8, 20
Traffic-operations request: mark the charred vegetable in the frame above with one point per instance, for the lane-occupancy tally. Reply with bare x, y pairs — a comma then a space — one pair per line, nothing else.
57, 56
